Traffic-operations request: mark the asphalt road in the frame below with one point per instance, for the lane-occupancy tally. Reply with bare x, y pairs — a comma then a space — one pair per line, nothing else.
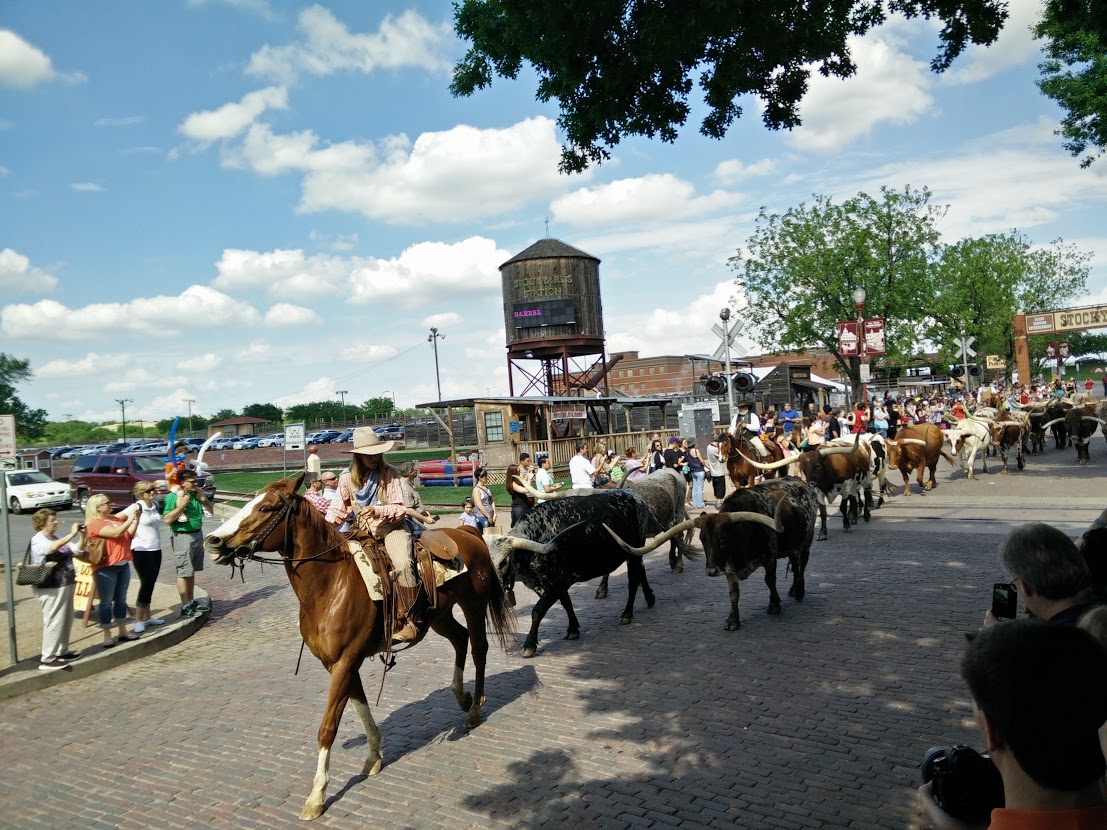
815, 718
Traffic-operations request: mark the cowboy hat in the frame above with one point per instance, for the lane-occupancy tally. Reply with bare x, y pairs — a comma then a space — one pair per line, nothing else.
367, 442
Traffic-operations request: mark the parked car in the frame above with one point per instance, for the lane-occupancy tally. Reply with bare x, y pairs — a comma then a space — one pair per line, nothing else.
223, 443
57, 451
274, 440
323, 436
344, 437
31, 489
116, 474
390, 433
246, 443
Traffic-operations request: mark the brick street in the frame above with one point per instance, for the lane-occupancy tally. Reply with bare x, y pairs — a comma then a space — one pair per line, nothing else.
816, 718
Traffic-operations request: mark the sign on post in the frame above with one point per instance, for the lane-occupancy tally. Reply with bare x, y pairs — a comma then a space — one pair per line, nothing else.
7, 435
294, 436
849, 339
874, 336
568, 412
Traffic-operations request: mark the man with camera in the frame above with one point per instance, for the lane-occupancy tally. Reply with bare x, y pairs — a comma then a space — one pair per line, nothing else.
1039, 696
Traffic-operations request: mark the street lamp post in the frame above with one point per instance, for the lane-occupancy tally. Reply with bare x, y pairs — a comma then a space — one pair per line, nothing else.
123, 405
724, 315
388, 392
858, 297
190, 402
433, 339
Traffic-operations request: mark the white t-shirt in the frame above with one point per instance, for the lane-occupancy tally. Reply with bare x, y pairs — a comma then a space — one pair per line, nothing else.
581, 471
329, 494
148, 533
541, 479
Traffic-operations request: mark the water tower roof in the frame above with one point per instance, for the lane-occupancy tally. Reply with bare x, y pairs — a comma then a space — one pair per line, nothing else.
548, 248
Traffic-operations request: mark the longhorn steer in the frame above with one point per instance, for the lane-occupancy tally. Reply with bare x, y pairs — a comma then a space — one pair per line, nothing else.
755, 527
917, 448
1081, 423
1056, 410
562, 542
1009, 431
840, 468
967, 439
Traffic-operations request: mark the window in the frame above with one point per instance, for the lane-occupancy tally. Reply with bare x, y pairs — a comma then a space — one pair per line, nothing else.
493, 426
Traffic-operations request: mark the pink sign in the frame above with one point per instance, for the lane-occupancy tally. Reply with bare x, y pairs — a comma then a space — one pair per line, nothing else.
849, 339
874, 336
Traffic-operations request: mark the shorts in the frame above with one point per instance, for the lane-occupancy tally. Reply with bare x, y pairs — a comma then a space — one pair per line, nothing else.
188, 550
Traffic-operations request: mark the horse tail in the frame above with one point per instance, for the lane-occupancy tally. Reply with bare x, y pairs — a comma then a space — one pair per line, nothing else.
499, 613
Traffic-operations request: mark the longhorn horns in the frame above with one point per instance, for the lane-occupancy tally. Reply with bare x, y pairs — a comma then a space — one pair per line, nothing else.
775, 522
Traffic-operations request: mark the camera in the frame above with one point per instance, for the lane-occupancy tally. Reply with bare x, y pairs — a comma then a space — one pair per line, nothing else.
966, 784
1005, 601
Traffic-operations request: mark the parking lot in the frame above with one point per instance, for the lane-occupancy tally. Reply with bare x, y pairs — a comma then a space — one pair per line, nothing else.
816, 718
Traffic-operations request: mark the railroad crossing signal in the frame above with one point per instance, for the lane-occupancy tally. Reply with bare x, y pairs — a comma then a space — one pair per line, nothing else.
965, 348
729, 339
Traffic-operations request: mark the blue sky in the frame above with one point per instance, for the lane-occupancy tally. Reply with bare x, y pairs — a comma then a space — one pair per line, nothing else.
240, 200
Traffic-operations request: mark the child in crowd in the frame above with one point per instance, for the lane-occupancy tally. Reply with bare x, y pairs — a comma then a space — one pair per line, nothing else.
469, 516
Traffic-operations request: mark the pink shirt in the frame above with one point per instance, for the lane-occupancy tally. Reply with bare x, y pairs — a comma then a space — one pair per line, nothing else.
390, 498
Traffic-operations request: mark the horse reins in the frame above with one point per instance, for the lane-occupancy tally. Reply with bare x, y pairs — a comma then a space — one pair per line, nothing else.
283, 514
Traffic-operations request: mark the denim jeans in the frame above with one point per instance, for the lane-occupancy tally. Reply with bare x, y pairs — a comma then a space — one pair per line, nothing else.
111, 586
697, 488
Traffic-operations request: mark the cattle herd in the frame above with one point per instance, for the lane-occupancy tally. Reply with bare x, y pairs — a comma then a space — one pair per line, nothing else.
579, 535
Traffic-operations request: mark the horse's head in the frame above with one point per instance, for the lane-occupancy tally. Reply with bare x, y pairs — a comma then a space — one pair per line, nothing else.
258, 525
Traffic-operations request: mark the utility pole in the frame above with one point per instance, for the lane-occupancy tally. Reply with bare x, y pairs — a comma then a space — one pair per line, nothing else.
342, 393
190, 402
724, 315
123, 405
433, 339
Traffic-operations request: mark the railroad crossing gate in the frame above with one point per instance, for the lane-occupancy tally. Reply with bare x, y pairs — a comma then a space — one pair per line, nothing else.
1052, 322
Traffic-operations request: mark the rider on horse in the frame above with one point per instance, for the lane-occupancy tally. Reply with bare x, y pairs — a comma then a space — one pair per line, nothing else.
746, 422
370, 495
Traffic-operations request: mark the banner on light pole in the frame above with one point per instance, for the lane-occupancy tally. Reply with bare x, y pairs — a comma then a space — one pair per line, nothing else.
874, 336
849, 339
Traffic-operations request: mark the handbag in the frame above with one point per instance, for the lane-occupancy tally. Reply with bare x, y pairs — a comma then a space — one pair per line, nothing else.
600, 479
36, 575
95, 551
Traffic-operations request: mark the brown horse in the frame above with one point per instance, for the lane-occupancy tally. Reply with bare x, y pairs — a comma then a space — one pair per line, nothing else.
741, 472
339, 622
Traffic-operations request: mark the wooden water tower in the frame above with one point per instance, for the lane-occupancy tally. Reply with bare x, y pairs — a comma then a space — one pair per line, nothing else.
554, 320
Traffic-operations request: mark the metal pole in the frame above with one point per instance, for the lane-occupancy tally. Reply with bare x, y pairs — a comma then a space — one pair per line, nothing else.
123, 405
724, 315
190, 402
433, 338
342, 393
965, 362
9, 566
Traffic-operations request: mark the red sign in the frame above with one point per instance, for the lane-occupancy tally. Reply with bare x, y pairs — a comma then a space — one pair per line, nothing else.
874, 336
849, 340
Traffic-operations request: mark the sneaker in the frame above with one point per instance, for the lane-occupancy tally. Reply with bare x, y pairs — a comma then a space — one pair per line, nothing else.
139, 627
155, 621
53, 665
190, 609
70, 656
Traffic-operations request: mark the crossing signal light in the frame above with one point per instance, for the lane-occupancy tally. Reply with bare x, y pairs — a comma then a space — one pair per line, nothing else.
744, 382
715, 385
974, 370
957, 371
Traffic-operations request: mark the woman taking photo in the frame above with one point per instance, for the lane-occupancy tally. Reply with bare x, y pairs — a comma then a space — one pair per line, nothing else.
113, 574
56, 594
145, 550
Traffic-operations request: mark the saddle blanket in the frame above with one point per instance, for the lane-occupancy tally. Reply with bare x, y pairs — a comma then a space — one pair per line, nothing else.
442, 574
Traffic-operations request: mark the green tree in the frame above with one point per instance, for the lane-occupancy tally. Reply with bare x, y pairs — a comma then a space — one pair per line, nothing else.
316, 411
624, 67
801, 268
268, 411
29, 423
223, 414
1074, 73
381, 407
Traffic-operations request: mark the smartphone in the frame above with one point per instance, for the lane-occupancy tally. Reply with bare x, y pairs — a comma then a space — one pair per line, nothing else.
1005, 601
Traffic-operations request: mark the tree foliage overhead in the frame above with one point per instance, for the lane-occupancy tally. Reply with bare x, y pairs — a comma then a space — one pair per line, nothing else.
625, 67
29, 423
1074, 73
801, 268
265, 411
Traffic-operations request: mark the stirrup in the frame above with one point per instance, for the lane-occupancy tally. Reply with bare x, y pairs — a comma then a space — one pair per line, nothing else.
406, 634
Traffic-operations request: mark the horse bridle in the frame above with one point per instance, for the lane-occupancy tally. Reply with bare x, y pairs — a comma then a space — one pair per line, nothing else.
248, 552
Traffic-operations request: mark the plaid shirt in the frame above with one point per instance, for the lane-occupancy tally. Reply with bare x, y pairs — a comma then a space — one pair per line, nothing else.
319, 500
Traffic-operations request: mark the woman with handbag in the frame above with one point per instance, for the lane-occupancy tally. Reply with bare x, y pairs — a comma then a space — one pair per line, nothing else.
112, 574
55, 594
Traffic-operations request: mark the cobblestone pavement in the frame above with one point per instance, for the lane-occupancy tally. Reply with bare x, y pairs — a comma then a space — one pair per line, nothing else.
816, 718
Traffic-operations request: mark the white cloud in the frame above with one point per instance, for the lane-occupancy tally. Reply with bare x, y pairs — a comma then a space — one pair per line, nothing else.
231, 119
124, 121
286, 314
17, 274
200, 364
734, 170
259, 7
196, 307
890, 86
427, 269
1014, 46
4, 171
322, 389
458, 174
443, 320
658, 197
366, 353
23, 66
89, 365
86, 187
408, 40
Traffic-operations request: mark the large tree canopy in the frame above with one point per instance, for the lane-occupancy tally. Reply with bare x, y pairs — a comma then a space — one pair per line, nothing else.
29, 423
624, 67
1074, 73
801, 268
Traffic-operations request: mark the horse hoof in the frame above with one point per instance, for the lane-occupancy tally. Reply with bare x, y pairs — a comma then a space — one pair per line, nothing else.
651, 600
626, 619
732, 625
822, 537
868, 517
311, 811
473, 721
572, 634
774, 608
467, 702
601, 593
528, 651
678, 568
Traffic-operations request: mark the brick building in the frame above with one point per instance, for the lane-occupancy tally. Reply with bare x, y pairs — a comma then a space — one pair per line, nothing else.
660, 376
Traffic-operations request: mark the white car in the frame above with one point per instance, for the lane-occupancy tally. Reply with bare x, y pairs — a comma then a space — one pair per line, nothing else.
274, 440
30, 490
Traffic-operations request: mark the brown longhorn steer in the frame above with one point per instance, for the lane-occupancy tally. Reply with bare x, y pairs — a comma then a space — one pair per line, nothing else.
917, 448
1010, 431
1080, 424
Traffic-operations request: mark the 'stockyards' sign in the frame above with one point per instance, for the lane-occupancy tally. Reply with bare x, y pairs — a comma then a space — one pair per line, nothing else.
1070, 319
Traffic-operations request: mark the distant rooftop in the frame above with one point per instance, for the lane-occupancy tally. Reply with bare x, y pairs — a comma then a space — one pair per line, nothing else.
547, 248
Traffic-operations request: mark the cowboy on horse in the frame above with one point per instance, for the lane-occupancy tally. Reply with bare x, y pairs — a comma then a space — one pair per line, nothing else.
746, 424
370, 498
